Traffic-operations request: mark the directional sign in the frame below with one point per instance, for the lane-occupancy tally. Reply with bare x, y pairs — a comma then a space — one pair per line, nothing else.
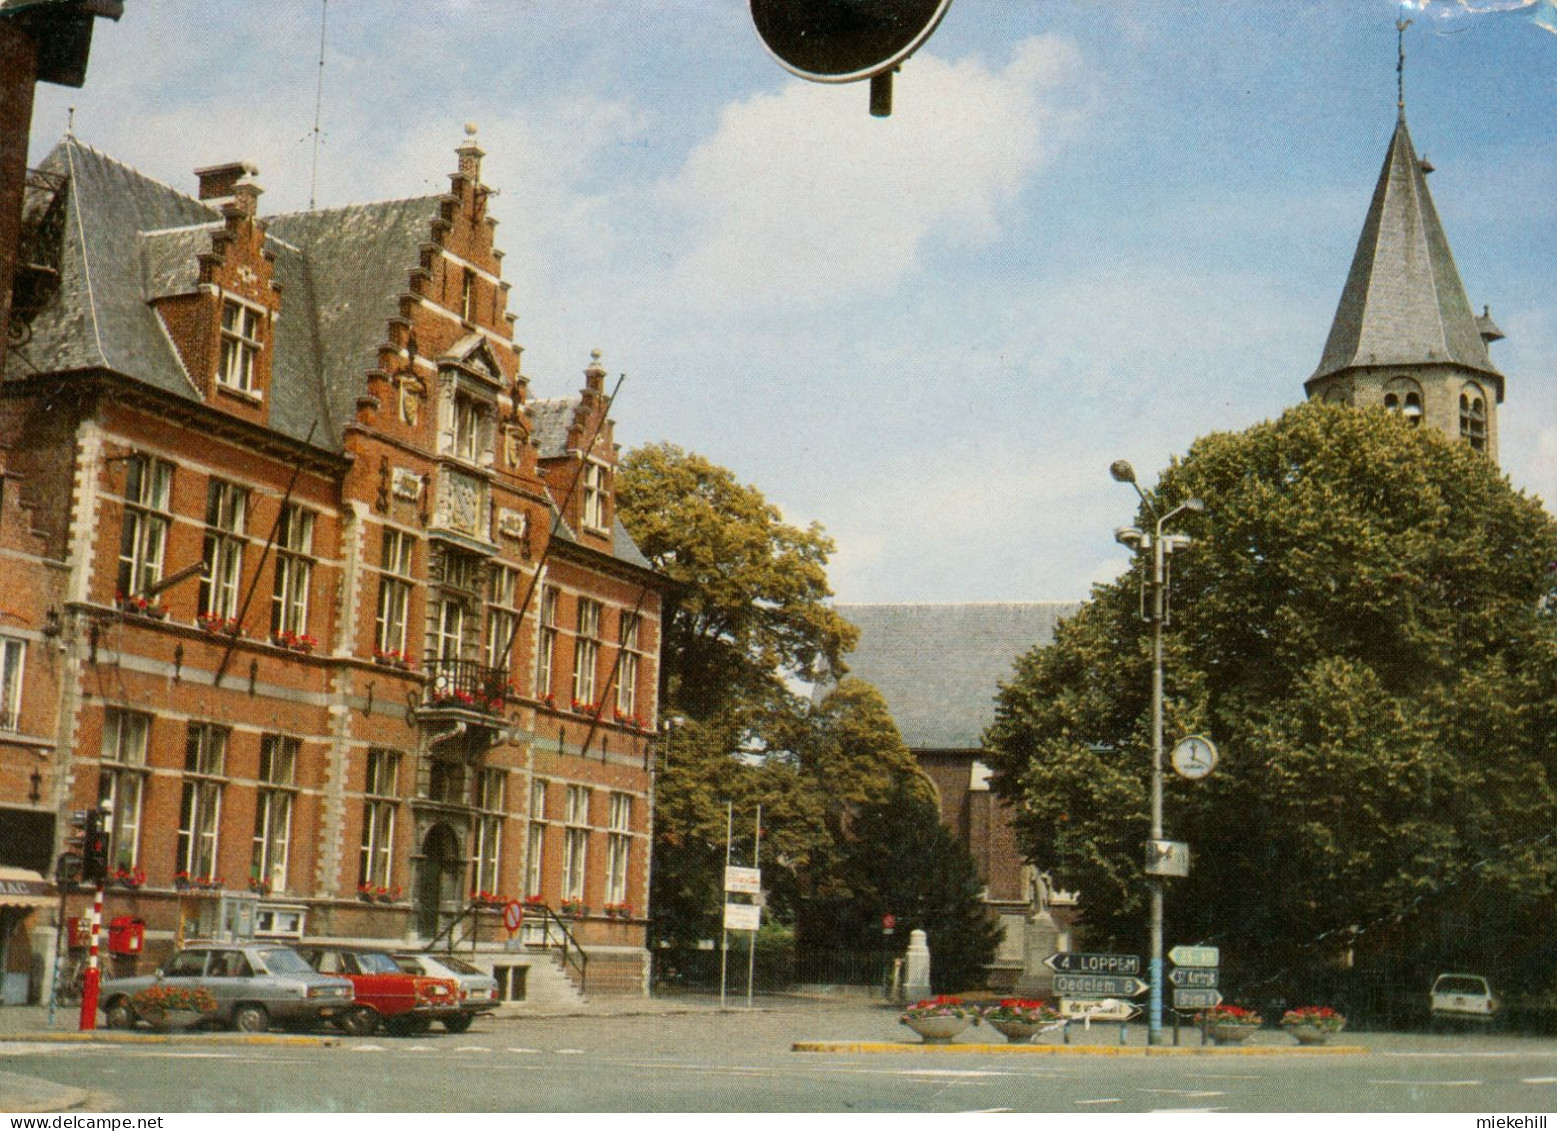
1195, 956
1098, 1009
1074, 962
745, 881
1196, 999
1196, 977
1096, 985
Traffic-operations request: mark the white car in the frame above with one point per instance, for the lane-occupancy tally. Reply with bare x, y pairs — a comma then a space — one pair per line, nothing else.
1463, 997
478, 989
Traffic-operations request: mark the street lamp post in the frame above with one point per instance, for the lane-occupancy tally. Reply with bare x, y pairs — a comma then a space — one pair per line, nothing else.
1160, 547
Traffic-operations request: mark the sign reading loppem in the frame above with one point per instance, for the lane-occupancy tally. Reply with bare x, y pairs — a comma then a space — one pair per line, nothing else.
1074, 962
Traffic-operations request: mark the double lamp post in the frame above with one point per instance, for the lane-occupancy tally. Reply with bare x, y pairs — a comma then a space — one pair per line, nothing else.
1163, 857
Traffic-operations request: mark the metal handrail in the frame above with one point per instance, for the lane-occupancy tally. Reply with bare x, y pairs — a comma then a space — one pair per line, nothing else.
569, 943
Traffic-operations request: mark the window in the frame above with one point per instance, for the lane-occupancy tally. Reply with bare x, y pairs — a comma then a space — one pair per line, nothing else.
381, 801
12, 653
449, 633
575, 842
240, 346
488, 829
596, 515
273, 810
501, 617
226, 517
148, 487
546, 647
121, 782
1404, 396
1473, 417
627, 669
394, 593
535, 849
294, 569
468, 421
468, 295
200, 812
618, 847
586, 652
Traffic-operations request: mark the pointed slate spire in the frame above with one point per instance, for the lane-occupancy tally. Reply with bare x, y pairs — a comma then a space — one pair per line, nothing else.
1404, 304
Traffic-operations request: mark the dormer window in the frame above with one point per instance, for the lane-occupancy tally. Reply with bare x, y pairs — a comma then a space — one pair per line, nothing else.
468, 420
596, 491
240, 347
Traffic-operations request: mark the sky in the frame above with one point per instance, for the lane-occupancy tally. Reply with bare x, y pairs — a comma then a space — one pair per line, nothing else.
1089, 230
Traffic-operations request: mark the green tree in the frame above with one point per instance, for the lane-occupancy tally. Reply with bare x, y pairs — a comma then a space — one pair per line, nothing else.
1364, 626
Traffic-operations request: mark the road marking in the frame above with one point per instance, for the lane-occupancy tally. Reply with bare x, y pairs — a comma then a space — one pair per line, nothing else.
528, 1052
1539, 1080
1178, 1092
367, 1048
416, 1048
1431, 1083
1084, 1103
472, 1048
948, 1072
1185, 1110
570, 1052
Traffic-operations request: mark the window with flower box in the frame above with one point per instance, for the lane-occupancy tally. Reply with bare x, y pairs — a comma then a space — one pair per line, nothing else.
586, 653
381, 802
241, 344
394, 593
200, 810
618, 847
226, 521
273, 811
488, 830
575, 841
121, 782
13, 654
294, 570
143, 540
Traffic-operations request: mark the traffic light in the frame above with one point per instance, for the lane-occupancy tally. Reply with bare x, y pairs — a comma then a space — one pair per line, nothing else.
94, 855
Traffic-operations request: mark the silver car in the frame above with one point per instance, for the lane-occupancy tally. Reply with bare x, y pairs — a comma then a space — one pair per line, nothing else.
478, 989
254, 984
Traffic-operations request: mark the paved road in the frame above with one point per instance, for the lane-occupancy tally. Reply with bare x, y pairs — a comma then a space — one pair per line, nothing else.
739, 1061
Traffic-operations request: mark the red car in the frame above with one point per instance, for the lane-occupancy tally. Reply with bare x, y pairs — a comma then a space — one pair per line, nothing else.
403, 1003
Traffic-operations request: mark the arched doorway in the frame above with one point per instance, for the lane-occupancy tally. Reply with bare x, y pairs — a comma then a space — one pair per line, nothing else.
438, 881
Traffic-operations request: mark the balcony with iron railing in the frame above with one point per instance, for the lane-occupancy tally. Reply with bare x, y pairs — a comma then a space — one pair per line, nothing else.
465, 685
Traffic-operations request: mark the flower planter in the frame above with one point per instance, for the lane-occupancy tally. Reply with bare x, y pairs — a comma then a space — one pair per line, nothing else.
1017, 1032
1311, 1034
937, 1030
1230, 1033
174, 1019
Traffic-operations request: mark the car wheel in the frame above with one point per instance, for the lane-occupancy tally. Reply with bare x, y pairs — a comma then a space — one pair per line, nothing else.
360, 1022
250, 1018
459, 1023
120, 1015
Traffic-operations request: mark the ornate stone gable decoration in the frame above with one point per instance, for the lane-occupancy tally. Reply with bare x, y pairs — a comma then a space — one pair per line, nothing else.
512, 523
461, 503
408, 484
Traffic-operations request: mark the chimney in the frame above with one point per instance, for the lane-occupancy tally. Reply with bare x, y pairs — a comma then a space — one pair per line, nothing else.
594, 375
245, 199
217, 181
470, 155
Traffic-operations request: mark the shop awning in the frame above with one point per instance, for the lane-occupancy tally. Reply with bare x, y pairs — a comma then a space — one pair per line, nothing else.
20, 887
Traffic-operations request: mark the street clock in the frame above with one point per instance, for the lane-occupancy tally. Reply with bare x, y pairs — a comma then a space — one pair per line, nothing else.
1194, 757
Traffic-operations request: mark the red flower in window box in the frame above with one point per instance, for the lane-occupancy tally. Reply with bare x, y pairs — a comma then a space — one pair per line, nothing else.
533, 901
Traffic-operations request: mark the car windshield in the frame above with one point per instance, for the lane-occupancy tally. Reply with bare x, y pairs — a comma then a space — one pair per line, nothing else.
1460, 986
284, 960
459, 965
409, 965
373, 962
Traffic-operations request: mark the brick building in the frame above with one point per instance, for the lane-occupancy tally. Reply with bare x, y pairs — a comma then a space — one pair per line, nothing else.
303, 580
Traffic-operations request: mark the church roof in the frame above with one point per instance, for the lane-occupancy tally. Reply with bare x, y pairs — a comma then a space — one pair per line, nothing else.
938, 666
1403, 303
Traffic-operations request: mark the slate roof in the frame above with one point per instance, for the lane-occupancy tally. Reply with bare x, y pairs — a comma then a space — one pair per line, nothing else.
938, 666
128, 239
549, 424
1403, 303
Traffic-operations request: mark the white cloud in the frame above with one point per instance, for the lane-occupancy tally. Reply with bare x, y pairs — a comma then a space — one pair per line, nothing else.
801, 198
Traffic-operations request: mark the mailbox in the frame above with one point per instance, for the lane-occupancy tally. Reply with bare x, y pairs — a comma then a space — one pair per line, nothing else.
126, 935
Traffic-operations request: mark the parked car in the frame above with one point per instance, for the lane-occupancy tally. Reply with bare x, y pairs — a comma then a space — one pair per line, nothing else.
1463, 997
254, 984
385, 994
478, 989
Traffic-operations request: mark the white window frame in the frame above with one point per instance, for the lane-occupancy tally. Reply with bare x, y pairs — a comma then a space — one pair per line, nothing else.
226, 523
294, 570
200, 808
501, 615
394, 592
546, 645
122, 781
575, 842
13, 663
619, 847
586, 651
597, 479
629, 665
241, 345
273, 805
381, 804
143, 541
486, 851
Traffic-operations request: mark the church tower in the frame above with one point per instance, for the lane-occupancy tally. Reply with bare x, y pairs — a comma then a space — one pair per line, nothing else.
1404, 336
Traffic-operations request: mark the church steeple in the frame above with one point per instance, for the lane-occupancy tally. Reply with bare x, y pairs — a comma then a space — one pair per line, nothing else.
1405, 337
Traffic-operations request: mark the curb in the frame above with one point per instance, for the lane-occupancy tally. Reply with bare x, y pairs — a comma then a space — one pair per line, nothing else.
1076, 1050
96, 1036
